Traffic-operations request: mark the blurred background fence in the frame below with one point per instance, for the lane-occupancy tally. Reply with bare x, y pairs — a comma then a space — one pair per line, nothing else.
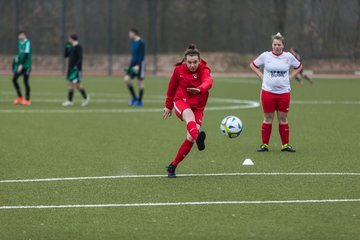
230, 32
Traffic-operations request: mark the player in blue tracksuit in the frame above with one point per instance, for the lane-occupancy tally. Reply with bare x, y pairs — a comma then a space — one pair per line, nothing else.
136, 68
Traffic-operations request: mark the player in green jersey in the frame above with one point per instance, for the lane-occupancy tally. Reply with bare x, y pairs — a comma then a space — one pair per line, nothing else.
73, 51
22, 66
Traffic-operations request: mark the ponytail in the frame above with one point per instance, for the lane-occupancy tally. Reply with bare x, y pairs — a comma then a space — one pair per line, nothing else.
190, 51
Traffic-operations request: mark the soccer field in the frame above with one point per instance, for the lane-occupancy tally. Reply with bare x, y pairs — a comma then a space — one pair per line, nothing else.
98, 172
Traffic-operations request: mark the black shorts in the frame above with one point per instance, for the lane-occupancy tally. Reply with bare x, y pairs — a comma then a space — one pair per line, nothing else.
25, 71
140, 74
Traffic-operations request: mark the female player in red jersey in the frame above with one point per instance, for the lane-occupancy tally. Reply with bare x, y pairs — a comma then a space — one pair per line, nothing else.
275, 94
187, 94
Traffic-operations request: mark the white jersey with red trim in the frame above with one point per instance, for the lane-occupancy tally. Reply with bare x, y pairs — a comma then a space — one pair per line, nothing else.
276, 71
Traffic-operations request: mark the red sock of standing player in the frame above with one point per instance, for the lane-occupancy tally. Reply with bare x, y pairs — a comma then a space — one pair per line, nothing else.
266, 132
284, 133
182, 152
192, 129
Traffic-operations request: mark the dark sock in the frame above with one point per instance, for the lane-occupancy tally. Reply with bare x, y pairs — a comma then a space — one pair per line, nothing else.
131, 90
70, 95
16, 85
27, 86
141, 94
83, 93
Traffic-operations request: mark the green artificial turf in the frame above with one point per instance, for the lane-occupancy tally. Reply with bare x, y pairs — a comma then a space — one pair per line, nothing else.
46, 140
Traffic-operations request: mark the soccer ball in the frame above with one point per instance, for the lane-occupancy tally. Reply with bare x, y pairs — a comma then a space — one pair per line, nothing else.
231, 127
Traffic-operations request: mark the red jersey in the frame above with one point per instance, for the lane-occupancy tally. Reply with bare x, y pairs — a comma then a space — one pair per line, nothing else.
182, 79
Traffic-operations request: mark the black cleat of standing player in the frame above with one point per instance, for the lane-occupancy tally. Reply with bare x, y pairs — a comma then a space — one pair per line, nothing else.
171, 171
263, 148
287, 148
200, 141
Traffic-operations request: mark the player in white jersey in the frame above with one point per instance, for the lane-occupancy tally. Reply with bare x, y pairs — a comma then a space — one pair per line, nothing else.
275, 93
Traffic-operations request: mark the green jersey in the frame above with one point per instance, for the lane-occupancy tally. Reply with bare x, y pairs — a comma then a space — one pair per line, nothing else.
17, 61
25, 48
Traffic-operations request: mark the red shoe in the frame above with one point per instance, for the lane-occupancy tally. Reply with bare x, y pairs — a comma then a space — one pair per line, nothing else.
19, 100
25, 102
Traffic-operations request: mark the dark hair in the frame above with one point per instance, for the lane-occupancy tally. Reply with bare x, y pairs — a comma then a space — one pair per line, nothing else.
295, 50
21, 32
134, 30
190, 51
74, 37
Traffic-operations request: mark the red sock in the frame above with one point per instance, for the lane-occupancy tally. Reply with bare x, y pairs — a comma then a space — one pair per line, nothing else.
192, 129
182, 152
284, 133
266, 132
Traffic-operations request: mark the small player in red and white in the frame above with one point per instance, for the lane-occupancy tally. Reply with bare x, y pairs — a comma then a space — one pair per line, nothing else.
275, 93
188, 93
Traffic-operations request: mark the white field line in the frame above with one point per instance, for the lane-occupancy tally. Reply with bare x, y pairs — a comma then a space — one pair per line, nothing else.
119, 110
325, 102
153, 100
160, 99
99, 100
245, 104
238, 80
109, 95
67, 110
178, 204
239, 104
214, 100
180, 175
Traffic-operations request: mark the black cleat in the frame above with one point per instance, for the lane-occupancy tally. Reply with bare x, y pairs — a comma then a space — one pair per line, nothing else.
287, 148
171, 171
263, 148
200, 141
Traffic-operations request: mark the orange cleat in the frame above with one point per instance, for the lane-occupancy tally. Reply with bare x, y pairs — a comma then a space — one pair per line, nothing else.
25, 102
19, 100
